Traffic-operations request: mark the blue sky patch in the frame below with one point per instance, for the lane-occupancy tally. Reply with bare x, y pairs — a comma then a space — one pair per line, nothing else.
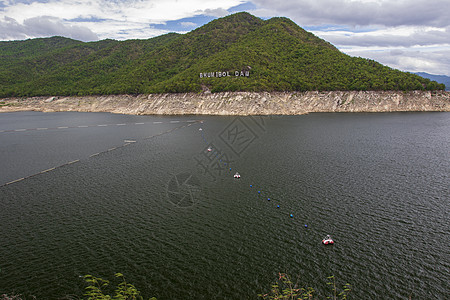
185, 24
191, 23
243, 7
334, 27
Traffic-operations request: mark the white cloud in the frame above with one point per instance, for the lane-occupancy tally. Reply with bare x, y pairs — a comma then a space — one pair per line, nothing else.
430, 60
126, 19
219, 12
361, 13
117, 30
413, 49
64, 9
389, 37
43, 27
188, 24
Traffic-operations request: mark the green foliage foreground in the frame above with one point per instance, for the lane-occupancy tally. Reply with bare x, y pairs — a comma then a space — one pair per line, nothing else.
97, 287
100, 289
284, 288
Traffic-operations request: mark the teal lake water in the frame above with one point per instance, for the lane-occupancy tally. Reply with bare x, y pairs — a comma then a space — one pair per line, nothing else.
143, 195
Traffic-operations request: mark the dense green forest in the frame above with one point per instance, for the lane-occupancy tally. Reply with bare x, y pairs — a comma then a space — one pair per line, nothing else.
276, 55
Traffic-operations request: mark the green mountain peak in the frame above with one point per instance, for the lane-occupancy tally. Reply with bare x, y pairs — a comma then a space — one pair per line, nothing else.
239, 52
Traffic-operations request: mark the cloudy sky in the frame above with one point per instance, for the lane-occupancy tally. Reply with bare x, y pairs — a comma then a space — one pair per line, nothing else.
410, 35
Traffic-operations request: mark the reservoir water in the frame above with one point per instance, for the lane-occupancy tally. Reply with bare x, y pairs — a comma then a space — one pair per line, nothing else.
154, 198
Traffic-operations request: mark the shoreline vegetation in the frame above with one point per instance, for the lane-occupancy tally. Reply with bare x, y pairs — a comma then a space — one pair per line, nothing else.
238, 103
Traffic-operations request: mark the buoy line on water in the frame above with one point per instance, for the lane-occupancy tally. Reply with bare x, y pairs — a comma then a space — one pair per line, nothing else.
126, 143
95, 125
216, 153
41, 172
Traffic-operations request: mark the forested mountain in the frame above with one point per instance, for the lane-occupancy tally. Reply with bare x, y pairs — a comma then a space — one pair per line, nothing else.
272, 55
438, 78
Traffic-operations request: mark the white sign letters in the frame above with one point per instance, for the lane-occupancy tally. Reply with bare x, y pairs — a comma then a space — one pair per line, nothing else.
225, 74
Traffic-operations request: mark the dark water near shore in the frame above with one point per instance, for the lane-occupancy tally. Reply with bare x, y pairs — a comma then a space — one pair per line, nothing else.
169, 215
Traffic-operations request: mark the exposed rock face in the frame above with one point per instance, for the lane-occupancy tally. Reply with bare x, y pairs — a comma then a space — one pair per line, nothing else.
239, 103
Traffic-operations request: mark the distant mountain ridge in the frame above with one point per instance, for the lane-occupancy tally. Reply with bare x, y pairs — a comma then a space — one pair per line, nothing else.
438, 78
277, 55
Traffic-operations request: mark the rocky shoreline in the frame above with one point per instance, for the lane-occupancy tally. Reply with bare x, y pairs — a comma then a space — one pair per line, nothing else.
238, 103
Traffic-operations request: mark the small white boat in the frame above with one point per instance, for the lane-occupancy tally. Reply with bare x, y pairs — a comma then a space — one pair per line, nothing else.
209, 149
237, 175
328, 240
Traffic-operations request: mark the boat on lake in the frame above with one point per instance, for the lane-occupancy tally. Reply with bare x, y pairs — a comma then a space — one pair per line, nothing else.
327, 240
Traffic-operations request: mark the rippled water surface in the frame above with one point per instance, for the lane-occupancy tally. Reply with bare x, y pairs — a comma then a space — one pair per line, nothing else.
143, 196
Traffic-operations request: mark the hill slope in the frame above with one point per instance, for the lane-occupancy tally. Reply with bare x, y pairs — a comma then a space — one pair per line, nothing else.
438, 78
272, 55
